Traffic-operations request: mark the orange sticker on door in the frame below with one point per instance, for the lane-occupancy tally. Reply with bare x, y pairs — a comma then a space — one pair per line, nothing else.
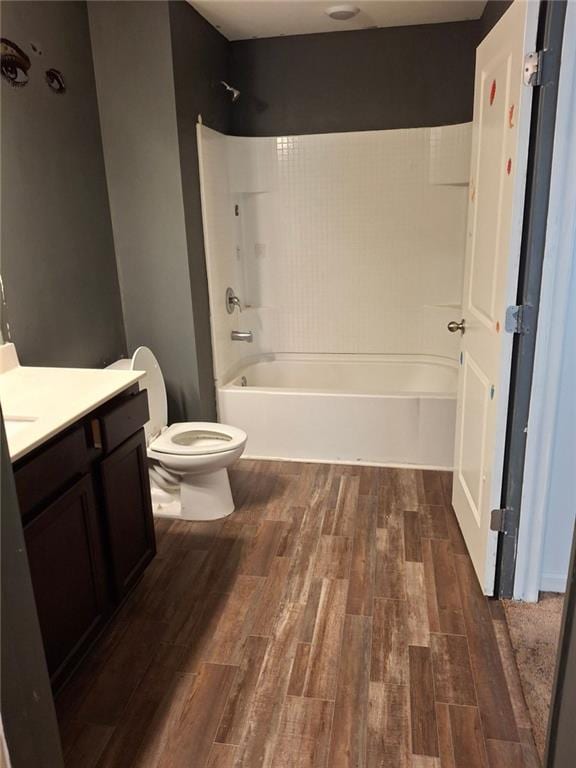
492, 92
511, 116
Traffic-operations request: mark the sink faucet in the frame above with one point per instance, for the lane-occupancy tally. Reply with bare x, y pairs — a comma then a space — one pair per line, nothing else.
242, 336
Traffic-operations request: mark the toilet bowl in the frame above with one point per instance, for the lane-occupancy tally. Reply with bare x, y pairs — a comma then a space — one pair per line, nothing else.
188, 461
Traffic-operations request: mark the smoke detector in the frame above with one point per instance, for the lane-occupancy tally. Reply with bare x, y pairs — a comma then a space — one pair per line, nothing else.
342, 12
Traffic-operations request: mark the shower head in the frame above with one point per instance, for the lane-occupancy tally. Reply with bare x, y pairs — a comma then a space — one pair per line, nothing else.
234, 92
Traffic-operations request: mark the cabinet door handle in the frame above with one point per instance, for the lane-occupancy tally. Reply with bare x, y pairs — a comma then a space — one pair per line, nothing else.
96, 433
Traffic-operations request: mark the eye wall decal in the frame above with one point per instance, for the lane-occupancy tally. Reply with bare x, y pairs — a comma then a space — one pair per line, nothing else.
14, 63
55, 80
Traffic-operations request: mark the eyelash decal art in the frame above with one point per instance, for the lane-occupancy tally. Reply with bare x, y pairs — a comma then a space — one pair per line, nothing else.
14, 63
55, 81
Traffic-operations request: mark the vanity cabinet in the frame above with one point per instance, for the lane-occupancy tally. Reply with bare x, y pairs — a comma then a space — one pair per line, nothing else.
68, 571
87, 517
126, 497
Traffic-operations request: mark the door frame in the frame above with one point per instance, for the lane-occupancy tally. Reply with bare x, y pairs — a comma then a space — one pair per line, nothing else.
528, 368
559, 262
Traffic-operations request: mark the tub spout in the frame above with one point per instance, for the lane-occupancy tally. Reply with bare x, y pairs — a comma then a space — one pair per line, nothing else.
242, 336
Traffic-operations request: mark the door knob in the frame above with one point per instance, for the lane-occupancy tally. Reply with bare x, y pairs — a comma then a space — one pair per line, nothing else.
453, 326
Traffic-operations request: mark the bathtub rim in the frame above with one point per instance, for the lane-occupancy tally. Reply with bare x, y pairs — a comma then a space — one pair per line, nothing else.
230, 384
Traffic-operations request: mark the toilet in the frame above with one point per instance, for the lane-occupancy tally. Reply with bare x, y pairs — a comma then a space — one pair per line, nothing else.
188, 461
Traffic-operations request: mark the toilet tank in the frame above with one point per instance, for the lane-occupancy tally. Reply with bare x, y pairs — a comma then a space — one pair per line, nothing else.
144, 360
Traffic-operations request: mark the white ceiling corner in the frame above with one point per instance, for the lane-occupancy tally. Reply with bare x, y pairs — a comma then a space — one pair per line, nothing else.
244, 19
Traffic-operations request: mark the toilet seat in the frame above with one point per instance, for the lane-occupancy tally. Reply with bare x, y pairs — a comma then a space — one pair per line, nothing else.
198, 438
188, 461
153, 382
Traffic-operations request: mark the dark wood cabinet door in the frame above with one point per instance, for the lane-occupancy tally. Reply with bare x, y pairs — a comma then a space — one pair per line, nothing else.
128, 512
68, 575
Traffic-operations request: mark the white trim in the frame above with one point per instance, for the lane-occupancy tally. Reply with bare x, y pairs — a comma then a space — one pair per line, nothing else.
553, 582
347, 463
558, 263
200, 128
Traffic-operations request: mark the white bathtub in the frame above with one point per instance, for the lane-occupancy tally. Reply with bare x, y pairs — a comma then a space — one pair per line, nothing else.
384, 410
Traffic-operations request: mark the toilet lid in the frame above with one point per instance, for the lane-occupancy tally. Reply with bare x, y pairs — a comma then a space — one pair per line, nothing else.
144, 360
196, 438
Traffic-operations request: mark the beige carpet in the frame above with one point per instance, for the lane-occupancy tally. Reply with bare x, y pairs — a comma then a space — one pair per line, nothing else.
534, 632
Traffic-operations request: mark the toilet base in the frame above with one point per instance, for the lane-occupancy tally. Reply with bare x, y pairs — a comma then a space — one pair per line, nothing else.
206, 497
170, 509
201, 497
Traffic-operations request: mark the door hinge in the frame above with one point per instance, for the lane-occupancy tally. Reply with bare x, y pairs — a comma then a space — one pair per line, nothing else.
516, 319
533, 68
236, 210
504, 521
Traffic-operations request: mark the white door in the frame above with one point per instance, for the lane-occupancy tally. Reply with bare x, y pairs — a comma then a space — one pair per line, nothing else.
497, 183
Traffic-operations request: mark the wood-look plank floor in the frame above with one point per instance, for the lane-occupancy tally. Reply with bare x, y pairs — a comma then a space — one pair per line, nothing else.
333, 621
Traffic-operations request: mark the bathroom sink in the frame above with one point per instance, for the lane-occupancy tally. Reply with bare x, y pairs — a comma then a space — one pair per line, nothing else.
15, 424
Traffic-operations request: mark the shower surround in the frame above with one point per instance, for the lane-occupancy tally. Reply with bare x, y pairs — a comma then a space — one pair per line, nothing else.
344, 249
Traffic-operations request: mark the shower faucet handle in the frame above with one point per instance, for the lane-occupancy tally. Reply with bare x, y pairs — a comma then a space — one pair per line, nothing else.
232, 301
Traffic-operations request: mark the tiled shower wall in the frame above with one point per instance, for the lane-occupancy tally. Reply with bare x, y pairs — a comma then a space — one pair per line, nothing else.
344, 243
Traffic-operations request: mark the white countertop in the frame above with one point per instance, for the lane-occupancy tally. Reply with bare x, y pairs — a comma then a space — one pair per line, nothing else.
37, 403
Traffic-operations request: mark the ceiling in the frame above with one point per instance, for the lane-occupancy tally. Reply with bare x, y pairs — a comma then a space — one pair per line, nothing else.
243, 19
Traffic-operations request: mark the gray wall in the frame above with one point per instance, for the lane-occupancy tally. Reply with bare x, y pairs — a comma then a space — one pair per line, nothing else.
492, 13
133, 64
200, 59
63, 302
397, 77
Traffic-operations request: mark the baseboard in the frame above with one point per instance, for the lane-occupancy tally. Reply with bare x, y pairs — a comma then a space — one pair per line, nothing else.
347, 462
553, 582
